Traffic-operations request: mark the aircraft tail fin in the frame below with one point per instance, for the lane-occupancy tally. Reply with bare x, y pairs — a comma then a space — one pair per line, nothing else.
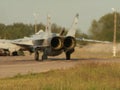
48, 26
72, 30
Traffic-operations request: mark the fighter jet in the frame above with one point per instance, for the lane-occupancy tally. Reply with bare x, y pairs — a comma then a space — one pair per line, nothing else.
52, 44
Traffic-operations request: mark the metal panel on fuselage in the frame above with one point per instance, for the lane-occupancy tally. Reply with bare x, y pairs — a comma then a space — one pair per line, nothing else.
38, 42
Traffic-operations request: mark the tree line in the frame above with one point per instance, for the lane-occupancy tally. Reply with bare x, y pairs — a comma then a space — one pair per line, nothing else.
14, 31
19, 30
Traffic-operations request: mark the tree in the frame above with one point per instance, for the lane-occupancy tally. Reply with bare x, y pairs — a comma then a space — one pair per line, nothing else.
2, 28
55, 28
103, 28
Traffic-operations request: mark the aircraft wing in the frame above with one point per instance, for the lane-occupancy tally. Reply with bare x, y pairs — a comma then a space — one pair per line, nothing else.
4, 41
27, 44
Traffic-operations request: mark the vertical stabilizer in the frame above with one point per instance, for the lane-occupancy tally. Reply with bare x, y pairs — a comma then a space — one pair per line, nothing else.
72, 30
47, 30
48, 26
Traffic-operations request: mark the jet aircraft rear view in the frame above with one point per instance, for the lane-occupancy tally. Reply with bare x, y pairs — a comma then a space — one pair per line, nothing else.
52, 44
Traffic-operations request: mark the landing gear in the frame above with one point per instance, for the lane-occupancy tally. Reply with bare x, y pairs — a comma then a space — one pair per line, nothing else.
36, 55
44, 56
68, 54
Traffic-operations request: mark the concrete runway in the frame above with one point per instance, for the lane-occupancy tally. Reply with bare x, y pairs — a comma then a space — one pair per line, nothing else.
11, 66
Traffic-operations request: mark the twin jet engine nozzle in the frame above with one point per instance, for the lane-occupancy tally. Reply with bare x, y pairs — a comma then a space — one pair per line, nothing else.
66, 43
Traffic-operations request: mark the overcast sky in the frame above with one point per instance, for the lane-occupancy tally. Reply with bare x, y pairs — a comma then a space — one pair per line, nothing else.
61, 11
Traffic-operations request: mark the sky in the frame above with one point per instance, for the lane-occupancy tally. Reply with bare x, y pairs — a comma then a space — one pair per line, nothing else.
62, 12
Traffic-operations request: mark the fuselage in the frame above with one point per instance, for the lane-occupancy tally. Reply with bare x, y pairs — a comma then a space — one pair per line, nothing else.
50, 44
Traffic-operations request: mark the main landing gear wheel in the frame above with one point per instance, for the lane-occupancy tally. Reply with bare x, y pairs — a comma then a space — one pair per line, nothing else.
68, 54
36, 55
44, 56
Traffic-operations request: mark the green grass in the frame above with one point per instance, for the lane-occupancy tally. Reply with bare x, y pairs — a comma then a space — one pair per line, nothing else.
85, 76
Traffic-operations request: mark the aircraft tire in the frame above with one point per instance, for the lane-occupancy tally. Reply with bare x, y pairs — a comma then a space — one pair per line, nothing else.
68, 54
44, 56
36, 55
